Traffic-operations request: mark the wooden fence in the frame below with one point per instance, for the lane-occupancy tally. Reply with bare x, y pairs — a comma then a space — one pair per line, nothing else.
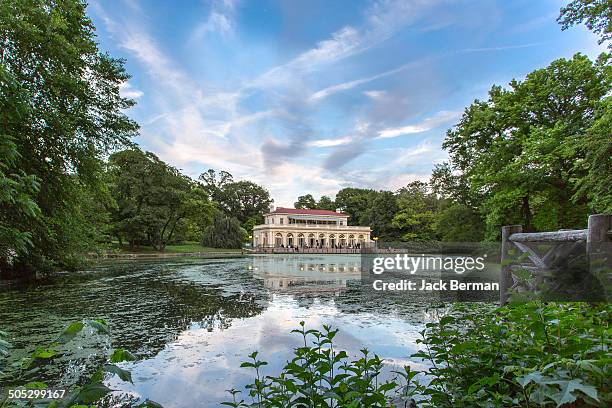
597, 239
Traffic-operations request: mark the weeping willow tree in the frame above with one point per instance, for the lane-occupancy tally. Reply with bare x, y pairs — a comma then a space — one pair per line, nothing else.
224, 232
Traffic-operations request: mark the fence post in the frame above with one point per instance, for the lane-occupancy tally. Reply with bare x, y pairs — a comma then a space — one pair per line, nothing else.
599, 244
505, 279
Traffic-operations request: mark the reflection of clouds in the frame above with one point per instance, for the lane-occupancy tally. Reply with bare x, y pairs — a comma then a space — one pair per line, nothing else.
197, 368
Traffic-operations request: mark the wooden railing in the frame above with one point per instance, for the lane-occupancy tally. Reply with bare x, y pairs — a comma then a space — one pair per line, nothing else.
596, 239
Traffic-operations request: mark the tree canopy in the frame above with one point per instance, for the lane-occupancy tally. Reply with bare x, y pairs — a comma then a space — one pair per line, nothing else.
63, 114
522, 149
152, 199
595, 14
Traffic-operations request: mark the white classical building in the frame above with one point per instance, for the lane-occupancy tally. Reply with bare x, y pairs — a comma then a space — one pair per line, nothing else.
291, 227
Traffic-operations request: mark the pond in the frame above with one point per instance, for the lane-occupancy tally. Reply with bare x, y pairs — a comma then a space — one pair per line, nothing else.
192, 322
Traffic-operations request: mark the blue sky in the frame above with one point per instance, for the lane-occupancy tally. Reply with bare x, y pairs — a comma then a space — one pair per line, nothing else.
313, 96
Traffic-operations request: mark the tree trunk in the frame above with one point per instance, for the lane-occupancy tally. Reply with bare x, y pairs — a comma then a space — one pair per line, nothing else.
526, 214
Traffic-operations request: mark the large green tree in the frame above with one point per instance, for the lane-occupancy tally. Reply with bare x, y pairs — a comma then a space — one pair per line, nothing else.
243, 200
416, 215
17, 189
152, 199
379, 215
305, 202
73, 116
519, 148
596, 143
355, 202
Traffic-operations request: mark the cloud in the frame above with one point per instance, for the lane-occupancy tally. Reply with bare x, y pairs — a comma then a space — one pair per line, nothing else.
343, 155
221, 20
261, 128
502, 48
128, 91
536, 22
438, 119
382, 20
375, 95
330, 90
330, 142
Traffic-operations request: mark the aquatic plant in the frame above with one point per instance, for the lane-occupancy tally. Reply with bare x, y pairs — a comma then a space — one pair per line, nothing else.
93, 390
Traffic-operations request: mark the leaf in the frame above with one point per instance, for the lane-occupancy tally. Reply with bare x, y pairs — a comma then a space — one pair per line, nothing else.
461, 347
36, 385
446, 319
125, 375
120, 355
70, 332
535, 377
41, 353
566, 394
99, 325
93, 392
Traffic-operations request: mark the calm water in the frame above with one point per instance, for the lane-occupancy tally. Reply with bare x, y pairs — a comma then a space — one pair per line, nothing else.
191, 323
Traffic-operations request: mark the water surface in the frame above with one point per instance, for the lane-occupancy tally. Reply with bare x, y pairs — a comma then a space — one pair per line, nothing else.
192, 322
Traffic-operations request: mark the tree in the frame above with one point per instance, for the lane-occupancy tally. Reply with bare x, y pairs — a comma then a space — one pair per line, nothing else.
379, 215
326, 203
595, 14
415, 218
456, 222
355, 202
153, 199
306, 202
214, 184
518, 148
224, 232
243, 200
18, 208
453, 186
75, 116
596, 185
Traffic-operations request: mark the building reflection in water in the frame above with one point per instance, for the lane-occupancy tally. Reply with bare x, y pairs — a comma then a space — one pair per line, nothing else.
299, 274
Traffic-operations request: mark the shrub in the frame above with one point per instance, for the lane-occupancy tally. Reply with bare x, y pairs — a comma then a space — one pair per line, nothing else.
525, 355
321, 376
522, 355
224, 232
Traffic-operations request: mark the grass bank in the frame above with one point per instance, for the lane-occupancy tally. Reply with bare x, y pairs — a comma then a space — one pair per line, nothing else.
183, 249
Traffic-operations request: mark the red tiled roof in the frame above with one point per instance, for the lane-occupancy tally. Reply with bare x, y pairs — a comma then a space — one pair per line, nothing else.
282, 210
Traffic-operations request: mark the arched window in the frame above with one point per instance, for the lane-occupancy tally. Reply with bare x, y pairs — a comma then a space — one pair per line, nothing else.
278, 240
289, 239
332, 240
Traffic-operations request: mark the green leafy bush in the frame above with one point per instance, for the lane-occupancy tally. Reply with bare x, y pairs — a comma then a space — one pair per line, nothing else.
321, 376
525, 355
522, 355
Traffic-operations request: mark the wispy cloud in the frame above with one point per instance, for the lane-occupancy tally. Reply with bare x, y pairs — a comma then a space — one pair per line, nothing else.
438, 119
128, 91
220, 20
383, 19
330, 142
503, 47
330, 90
